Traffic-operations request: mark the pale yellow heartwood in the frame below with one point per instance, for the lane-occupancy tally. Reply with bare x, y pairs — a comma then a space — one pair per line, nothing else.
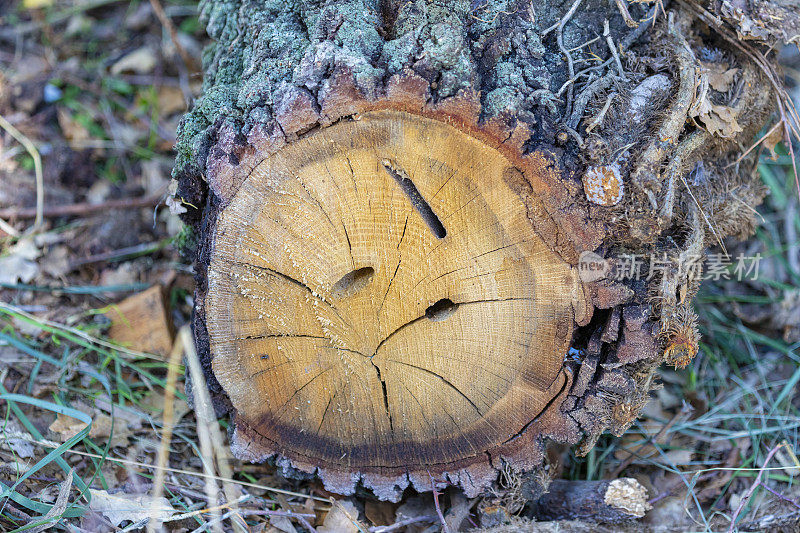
348, 328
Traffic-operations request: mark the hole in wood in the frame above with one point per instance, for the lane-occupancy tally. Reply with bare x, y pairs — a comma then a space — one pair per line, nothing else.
415, 197
352, 282
441, 310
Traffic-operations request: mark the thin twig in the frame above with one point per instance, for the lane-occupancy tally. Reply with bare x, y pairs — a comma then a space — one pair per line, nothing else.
596, 121
82, 209
173, 33
445, 528
574, 134
211, 441
613, 49
190, 514
570, 62
37, 167
626, 43
772, 522
401, 524
8, 228
703, 213
18, 30
564, 19
306, 523
626, 15
166, 432
122, 253
780, 496
584, 45
585, 96
756, 144
680, 156
752, 489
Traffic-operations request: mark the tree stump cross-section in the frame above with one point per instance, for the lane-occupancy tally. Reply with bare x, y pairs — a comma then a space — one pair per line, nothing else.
378, 298
390, 204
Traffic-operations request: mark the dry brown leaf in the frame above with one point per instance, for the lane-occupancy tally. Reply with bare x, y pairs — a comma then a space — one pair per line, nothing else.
142, 322
101, 429
58, 508
140, 61
18, 441
122, 507
154, 403
342, 518
73, 130
720, 77
772, 140
717, 119
282, 524
56, 262
19, 264
66, 427
676, 457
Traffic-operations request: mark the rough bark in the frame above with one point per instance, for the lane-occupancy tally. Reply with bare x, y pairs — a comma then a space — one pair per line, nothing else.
653, 169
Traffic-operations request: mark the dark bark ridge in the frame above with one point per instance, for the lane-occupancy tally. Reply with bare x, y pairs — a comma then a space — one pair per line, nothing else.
278, 70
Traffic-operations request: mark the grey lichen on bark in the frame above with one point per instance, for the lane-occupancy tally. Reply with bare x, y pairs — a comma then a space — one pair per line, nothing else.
264, 54
669, 183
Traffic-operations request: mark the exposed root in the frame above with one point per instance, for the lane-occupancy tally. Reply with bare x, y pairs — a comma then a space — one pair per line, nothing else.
598, 119
626, 43
645, 176
585, 96
676, 168
613, 49
570, 62
790, 118
626, 15
672, 295
625, 410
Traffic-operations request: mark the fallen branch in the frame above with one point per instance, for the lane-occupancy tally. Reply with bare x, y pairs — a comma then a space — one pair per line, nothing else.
81, 209
611, 501
123, 253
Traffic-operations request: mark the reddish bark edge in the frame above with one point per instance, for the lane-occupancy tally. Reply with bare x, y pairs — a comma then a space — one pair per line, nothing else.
605, 390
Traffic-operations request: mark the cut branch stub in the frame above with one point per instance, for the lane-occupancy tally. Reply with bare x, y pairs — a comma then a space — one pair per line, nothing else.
380, 302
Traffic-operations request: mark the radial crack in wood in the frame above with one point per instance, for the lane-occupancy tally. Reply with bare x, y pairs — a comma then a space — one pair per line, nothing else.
379, 301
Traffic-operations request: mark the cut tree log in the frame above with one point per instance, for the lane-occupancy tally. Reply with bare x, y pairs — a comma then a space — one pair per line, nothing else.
610, 501
385, 319
411, 223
